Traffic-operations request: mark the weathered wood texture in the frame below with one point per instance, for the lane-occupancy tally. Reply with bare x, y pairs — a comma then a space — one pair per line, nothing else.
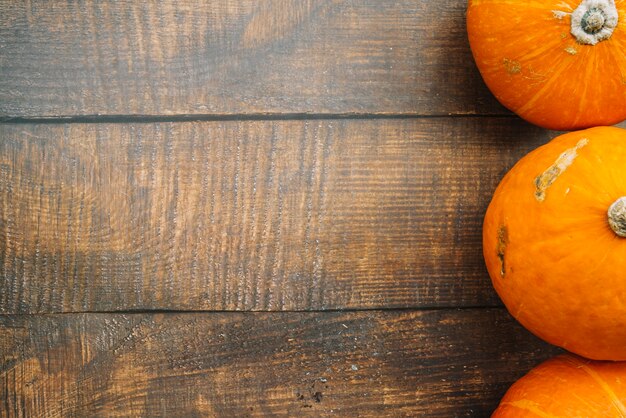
250, 215
282, 215
366, 364
238, 56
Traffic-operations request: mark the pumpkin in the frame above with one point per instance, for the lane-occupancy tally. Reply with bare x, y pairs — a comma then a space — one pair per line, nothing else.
554, 242
568, 386
559, 64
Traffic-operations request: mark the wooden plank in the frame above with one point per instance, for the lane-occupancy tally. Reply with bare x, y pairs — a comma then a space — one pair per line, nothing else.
164, 57
365, 364
257, 215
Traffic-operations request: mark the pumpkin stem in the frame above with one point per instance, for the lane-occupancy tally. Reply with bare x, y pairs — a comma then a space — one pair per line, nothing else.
593, 21
617, 216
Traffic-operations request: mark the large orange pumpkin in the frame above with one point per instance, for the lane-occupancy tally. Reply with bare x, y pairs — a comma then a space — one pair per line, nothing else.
568, 386
559, 64
554, 241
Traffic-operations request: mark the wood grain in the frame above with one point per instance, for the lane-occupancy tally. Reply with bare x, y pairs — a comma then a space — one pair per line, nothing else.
171, 57
253, 211
282, 215
365, 364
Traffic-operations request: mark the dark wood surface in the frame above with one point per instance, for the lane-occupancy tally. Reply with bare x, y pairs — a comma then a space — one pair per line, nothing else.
164, 57
250, 208
367, 364
252, 215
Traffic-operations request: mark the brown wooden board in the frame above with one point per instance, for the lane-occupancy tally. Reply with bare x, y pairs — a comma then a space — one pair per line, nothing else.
257, 215
366, 364
164, 57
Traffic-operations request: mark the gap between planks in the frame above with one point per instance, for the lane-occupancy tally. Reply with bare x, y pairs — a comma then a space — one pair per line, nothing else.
235, 312
121, 119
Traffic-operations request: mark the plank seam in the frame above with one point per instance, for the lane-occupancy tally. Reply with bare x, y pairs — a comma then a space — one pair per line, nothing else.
196, 311
121, 119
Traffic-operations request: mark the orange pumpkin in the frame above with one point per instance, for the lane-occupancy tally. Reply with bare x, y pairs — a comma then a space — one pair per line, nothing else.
554, 242
568, 386
559, 64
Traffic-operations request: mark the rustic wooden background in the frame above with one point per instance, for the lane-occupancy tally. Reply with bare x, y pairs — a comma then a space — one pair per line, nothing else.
250, 208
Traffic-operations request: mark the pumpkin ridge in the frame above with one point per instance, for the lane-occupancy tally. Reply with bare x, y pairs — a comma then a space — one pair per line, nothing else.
615, 54
600, 381
545, 89
534, 4
546, 48
529, 406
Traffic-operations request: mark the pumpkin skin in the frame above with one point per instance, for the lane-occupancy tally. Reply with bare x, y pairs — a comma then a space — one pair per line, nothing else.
567, 386
536, 68
552, 256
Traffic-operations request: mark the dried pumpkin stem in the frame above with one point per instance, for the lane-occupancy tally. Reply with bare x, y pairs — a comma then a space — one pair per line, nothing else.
594, 21
617, 216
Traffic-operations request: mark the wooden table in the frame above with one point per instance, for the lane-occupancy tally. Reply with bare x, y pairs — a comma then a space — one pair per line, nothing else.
250, 208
